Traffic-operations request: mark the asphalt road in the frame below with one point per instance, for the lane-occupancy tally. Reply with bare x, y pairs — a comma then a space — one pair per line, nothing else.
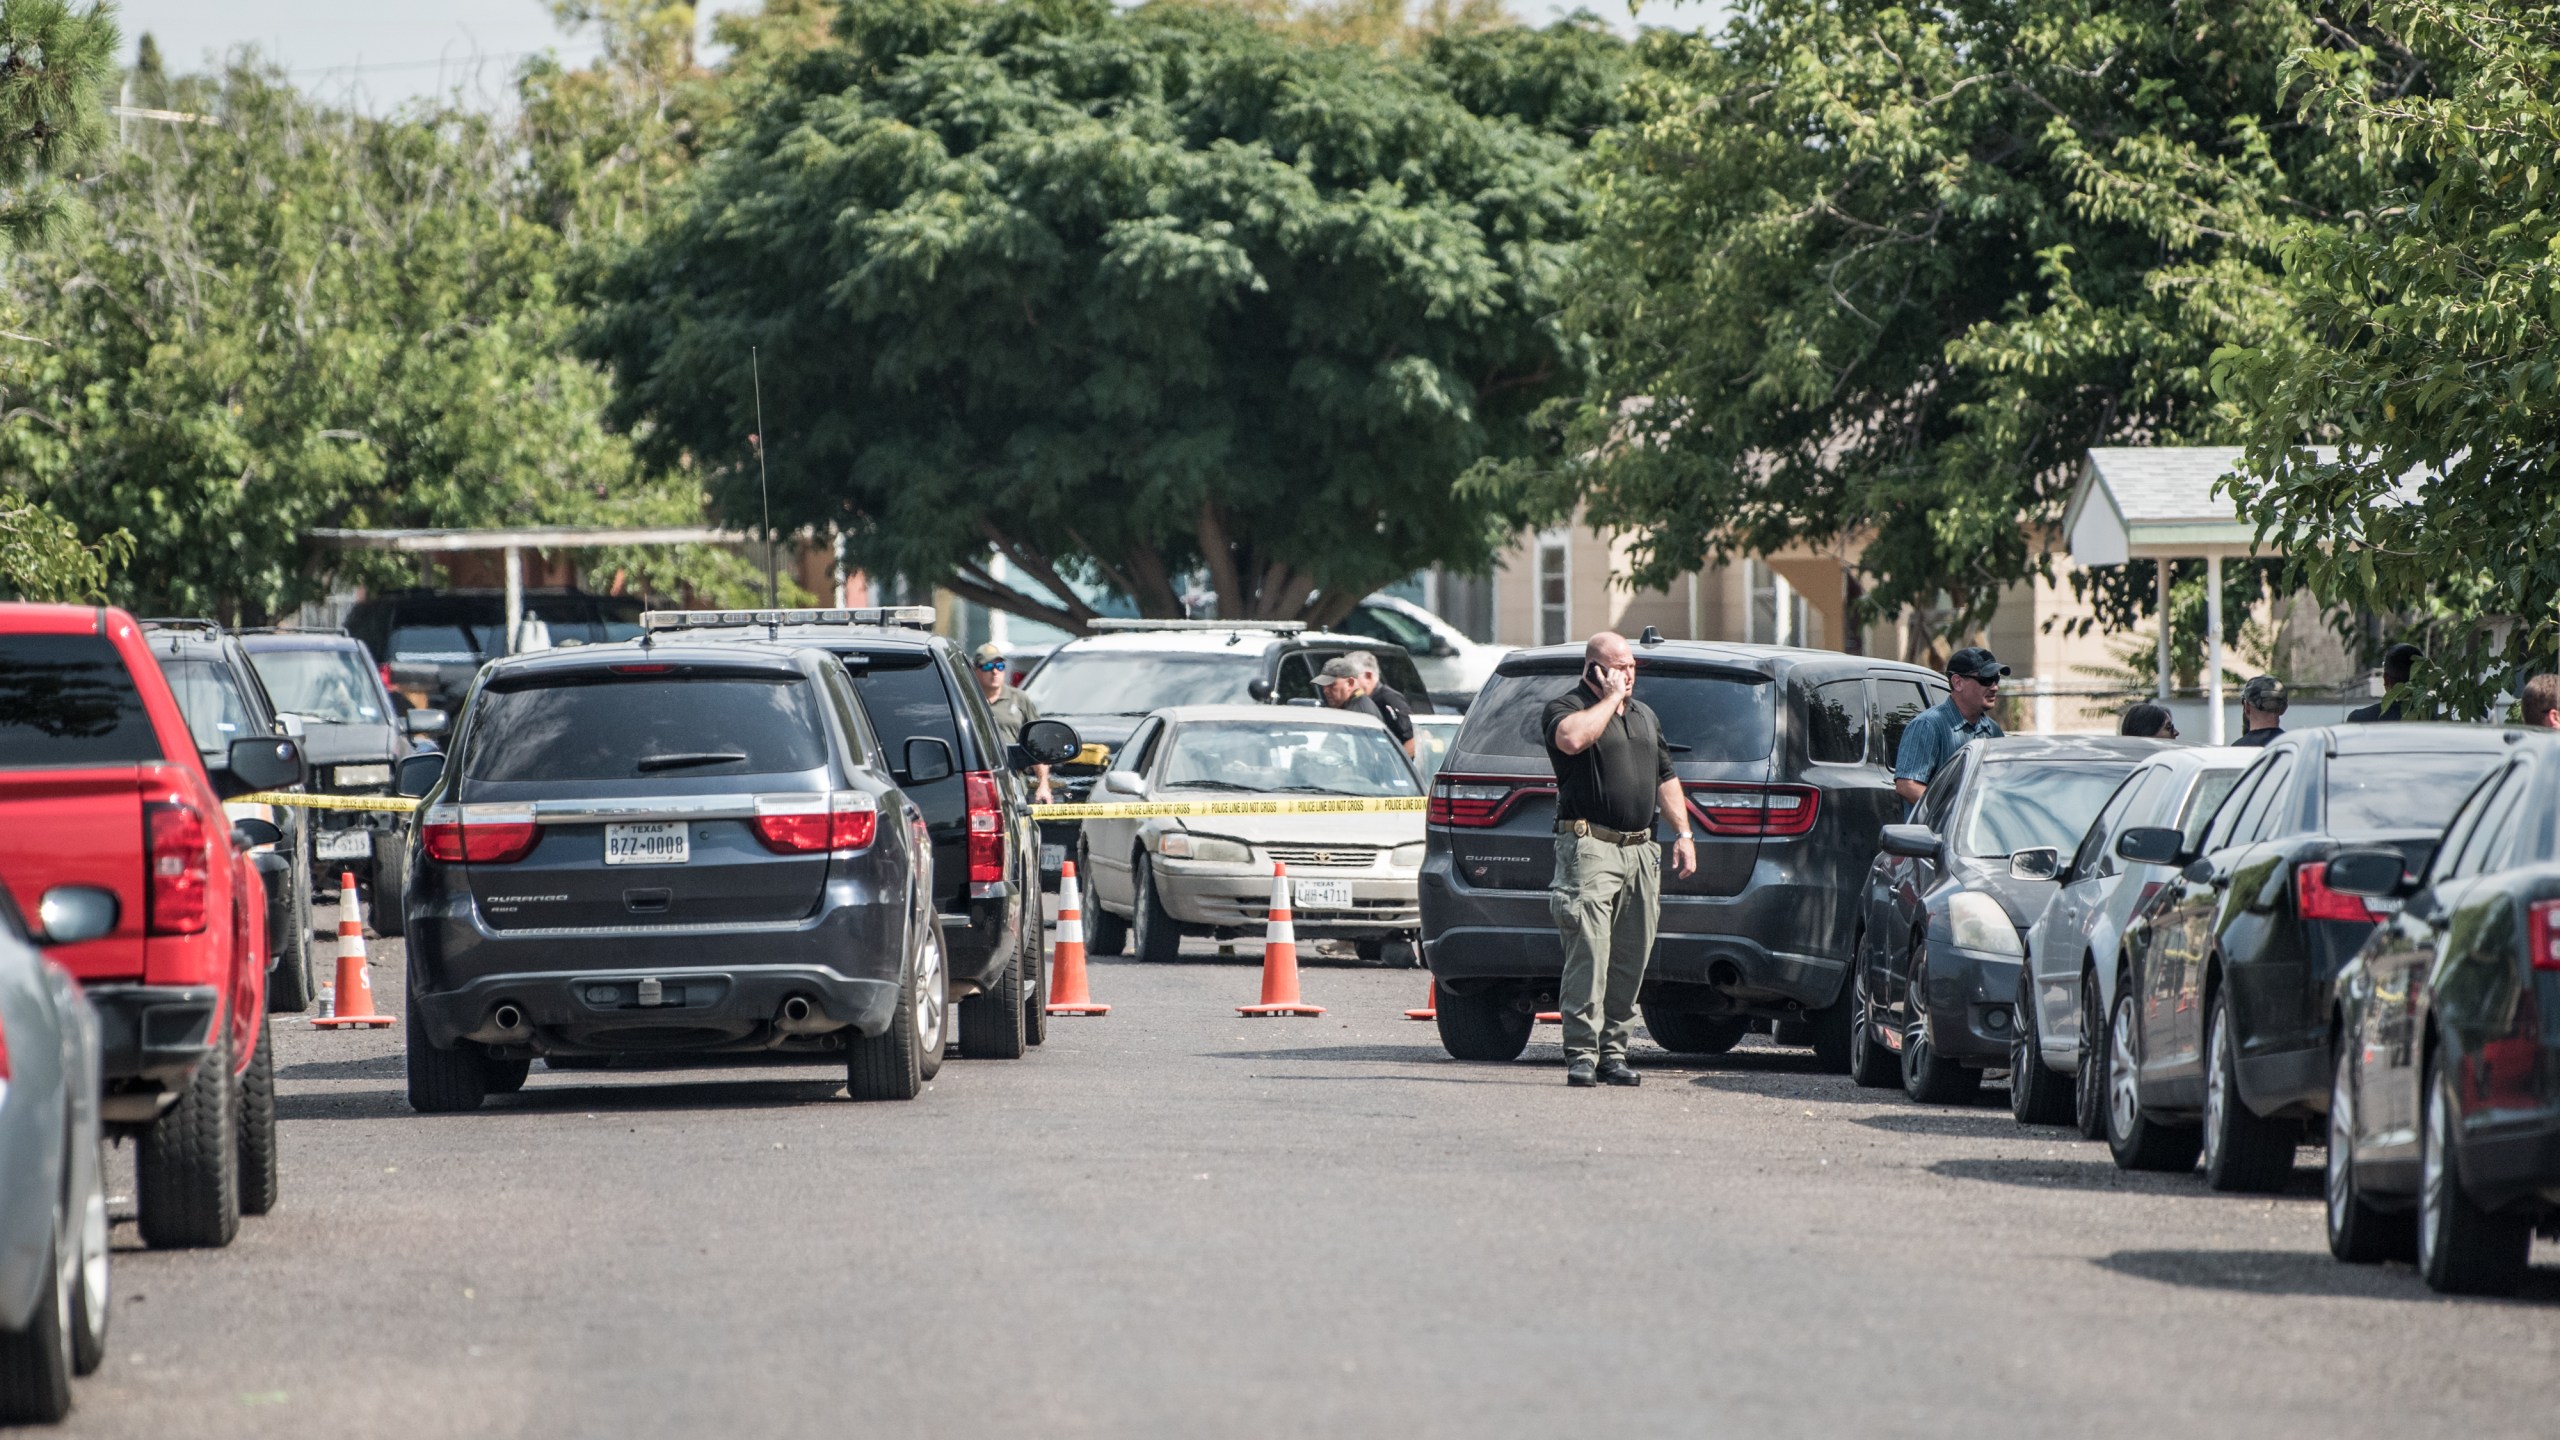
1174, 1222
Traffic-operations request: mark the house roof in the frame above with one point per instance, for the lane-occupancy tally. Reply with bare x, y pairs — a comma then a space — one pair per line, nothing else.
2151, 501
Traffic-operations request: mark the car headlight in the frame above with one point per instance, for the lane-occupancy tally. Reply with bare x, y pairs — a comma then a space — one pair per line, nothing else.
1407, 856
1183, 845
1978, 923
350, 776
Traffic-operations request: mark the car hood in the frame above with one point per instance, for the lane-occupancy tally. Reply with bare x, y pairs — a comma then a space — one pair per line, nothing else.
1391, 828
2025, 900
351, 744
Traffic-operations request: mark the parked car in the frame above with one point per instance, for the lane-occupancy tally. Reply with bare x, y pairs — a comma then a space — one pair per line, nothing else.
2071, 951
1951, 896
1786, 757
917, 695
2444, 1104
1451, 663
353, 733
102, 788
434, 641
53, 1198
223, 699
669, 846
1433, 737
1352, 876
2219, 1040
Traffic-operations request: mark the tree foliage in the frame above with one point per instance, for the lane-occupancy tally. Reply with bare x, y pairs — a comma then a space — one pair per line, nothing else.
1115, 296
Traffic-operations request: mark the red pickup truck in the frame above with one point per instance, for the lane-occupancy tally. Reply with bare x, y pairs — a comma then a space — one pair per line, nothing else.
102, 790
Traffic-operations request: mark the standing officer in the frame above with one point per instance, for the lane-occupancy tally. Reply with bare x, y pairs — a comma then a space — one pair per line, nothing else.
1973, 682
1393, 708
1613, 779
2262, 706
1013, 710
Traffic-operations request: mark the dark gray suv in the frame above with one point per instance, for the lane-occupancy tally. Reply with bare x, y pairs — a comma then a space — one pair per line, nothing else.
1786, 756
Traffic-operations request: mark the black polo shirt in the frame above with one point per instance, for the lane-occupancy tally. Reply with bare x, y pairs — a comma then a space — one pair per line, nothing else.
1616, 781
1394, 709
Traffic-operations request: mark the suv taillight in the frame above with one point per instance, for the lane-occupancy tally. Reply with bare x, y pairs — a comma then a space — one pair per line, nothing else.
479, 834
1478, 802
181, 861
801, 824
986, 829
2314, 900
2542, 933
1773, 810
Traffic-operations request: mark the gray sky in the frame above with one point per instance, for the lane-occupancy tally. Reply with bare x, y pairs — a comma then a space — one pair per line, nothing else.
381, 52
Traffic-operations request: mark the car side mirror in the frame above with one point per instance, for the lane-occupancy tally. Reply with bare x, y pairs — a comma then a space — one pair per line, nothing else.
928, 759
2152, 844
261, 762
251, 833
415, 775
1259, 689
1049, 742
2377, 872
70, 914
425, 722
1911, 842
1125, 782
2044, 862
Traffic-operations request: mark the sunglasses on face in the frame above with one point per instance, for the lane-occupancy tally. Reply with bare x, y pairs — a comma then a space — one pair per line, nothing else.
990, 665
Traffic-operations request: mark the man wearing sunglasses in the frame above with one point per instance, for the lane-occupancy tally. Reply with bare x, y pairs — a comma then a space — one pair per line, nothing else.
1013, 710
1973, 682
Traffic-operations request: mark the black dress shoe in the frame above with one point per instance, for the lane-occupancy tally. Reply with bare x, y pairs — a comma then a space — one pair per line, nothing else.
1579, 1073
1619, 1072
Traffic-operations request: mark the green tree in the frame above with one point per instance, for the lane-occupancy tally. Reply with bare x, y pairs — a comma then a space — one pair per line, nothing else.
2431, 322
1116, 297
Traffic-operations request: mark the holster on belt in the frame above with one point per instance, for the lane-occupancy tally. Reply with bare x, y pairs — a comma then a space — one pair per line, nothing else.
1585, 829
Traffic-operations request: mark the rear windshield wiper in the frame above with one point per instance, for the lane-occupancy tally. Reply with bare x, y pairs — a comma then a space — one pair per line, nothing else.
688, 757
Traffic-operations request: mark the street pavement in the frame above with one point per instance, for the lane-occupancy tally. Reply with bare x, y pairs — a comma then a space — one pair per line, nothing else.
1175, 1222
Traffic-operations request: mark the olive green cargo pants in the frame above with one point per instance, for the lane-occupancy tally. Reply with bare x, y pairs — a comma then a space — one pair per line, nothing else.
1606, 899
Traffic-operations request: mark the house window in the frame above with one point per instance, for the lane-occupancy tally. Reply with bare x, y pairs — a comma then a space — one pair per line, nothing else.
1555, 609
1777, 611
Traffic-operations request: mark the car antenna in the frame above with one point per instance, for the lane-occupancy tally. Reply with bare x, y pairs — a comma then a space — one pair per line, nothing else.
764, 489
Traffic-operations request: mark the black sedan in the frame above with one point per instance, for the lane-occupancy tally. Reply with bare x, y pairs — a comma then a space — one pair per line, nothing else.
2219, 1040
1949, 902
2445, 1084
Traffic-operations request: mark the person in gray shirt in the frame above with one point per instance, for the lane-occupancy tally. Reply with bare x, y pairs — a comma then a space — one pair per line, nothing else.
1973, 682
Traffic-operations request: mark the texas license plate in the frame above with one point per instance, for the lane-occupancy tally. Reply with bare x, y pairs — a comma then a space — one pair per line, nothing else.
646, 842
1053, 857
1324, 894
343, 844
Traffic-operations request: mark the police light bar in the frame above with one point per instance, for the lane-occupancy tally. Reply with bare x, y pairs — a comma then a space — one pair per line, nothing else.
1286, 627
911, 617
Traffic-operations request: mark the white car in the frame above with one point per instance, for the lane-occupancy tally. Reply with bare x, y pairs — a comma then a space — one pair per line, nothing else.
1454, 666
2071, 953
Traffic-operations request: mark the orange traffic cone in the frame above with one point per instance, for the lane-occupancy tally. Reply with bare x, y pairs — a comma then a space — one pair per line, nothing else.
1430, 1005
1067, 992
1550, 1017
1280, 957
355, 988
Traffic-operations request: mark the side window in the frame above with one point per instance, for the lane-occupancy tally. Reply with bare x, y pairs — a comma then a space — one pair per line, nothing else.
1141, 748
1897, 700
2203, 801
1397, 670
2226, 816
905, 695
2458, 831
2096, 856
2484, 848
839, 688
1298, 677
2259, 816
1836, 723
1940, 802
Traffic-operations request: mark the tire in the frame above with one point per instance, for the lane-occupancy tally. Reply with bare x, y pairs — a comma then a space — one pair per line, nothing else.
258, 1126
2089, 1078
2462, 1249
443, 1082
2359, 1234
1833, 1029
1927, 1077
2037, 1096
36, 1363
1155, 936
289, 987
91, 1288
1104, 932
896, 1063
2137, 1141
1682, 1033
2243, 1152
1482, 1026
1872, 1066
390, 883
1035, 988
187, 1163
991, 1021
506, 1077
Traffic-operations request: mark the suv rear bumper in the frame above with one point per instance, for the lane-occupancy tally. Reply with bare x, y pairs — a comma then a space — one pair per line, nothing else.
731, 1007
155, 1034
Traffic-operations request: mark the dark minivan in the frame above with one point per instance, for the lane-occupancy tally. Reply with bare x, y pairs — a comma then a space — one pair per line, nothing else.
1786, 755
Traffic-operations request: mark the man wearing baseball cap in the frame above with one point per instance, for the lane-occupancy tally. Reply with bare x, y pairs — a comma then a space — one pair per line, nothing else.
1339, 683
2262, 706
1012, 709
1973, 682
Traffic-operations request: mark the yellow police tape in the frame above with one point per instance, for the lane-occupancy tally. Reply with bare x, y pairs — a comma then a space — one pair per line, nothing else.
396, 804
1103, 810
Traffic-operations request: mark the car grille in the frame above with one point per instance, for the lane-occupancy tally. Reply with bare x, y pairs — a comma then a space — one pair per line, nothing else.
1221, 910
1324, 857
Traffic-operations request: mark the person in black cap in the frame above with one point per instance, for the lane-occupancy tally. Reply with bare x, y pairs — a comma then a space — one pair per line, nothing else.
2396, 663
1973, 682
2262, 706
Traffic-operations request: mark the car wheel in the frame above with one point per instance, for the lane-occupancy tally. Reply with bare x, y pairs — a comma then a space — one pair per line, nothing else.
442, 1082
2462, 1249
1035, 987
2037, 1096
2358, 1233
506, 1077
895, 1064
390, 884
1682, 1033
91, 1287
187, 1166
1833, 1029
1158, 938
991, 1020
1928, 1077
1482, 1026
36, 1362
289, 988
2137, 1141
2242, 1151
2089, 1088
258, 1126
1872, 1064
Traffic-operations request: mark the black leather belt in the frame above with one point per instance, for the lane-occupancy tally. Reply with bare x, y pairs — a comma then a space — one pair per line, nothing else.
1584, 828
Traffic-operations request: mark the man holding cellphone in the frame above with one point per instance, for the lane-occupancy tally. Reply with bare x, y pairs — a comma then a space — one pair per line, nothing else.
1613, 781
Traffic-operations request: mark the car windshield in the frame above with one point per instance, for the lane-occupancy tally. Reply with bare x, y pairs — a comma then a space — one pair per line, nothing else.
330, 685
2024, 804
431, 644
1285, 758
605, 727
67, 700
2402, 791
1134, 682
211, 699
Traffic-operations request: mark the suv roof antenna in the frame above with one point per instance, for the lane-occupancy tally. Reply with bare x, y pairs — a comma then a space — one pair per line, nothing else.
764, 488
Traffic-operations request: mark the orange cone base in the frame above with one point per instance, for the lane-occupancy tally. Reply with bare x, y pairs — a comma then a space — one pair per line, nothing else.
353, 1022
1268, 1010
1087, 1009
1550, 1017
1430, 1005
1422, 1014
